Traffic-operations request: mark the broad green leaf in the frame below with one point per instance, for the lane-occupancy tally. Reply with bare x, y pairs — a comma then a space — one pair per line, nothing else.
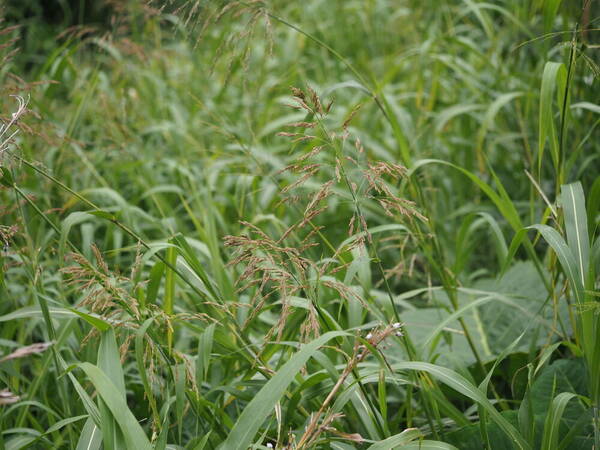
88, 403
161, 441
184, 248
564, 375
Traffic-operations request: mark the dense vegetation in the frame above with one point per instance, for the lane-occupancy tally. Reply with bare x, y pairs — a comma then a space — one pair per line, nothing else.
323, 224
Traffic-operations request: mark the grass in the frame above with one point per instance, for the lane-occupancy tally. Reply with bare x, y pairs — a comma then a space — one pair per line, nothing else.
323, 225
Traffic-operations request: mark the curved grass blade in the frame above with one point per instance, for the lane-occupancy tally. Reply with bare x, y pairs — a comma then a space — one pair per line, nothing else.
255, 413
132, 431
552, 424
397, 440
553, 81
110, 362
560, 247
463, 386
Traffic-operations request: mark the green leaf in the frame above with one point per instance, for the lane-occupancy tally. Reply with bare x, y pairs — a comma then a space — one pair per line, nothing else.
198, 269
560, 247
550, 11
546, 353
93, 320
66, 224
62, 423
161, 441
504, 205
552, 425
110, 362
6, 178
205, 344
397, 440
427, 445
586, 105
90, 437
463, 386
139, 359
573, 203
179, 397
131, 429
484, 387
499, 239
455, 315
593, 202
154, 281
29, 312
169, 295
565, 256
103, 215
554, 80
490, 116
255, 413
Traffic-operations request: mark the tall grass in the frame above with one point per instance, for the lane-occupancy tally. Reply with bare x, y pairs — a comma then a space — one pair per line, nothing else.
399, 251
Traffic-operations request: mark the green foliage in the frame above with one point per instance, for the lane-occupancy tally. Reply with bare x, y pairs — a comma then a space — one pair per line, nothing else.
401, 252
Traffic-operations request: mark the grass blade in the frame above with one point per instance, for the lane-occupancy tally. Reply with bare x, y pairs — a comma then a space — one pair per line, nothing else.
462, 385
90, 437
132, 431
552, 424
255, 413
573, 203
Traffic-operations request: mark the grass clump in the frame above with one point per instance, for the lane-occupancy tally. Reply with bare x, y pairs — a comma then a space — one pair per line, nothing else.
399, 251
